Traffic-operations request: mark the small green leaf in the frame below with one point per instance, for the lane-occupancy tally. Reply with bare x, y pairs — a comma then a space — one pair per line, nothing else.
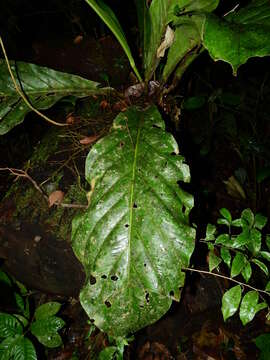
247, 272
242, 239
45, 326
267, 287
5, 279
230, 301
263, 343
238, 264
107, 353
9, 326
261, 265
248, 306
265, 255
226, 214
210, 232
214, 261
260, 221
50, 340
193, 102
22, 319
255, 241
19, 302
47, 310
237, 223
247, 218
226, 256
223, 239
223, 222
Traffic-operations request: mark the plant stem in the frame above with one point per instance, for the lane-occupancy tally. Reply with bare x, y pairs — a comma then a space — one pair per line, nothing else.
20, 92
226, 278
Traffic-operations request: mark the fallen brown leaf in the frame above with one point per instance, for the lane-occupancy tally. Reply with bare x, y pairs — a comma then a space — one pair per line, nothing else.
89, 140
56, 197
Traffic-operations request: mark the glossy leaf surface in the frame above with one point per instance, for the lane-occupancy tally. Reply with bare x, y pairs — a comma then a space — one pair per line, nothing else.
249, 306
230, 301
43, 87
9, 325
134, 237
47, 310
240, 35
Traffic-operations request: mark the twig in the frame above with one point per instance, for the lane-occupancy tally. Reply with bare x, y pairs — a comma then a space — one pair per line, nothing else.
226, 278
22, 173
20, 92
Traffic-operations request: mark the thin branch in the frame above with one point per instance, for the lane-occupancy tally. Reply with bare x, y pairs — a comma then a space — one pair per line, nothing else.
226, 278
20, 92
22, 173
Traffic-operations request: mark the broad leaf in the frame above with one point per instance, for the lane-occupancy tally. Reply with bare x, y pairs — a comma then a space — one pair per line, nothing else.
47, 310
43, 87
238, 264
247, 218
210, 232
52, 340
226, 214
9, 326
249, 306
230, 301
239, 36
8, 346
45, 326
24, 349
255, 241
109, 18
265, 255
134, 237
260, 221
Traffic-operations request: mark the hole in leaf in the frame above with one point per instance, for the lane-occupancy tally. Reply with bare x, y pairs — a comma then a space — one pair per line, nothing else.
166, 163
108, 304
141, 306
114, 278
156, 126
92, 320
144, 264
139, 169
103, 277
121, 144
126, 225
172, 293
92, 280
135, 206
184, 208
147, 297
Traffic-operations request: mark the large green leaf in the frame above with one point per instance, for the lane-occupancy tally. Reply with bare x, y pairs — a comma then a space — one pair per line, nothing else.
134, 237
24, 350
9, 326
9, 346
249, 306
43, 87
46, 310
239, 36
109, 18
230, 301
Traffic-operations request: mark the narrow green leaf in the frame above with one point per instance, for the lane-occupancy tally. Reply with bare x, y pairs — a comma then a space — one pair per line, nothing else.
109, 18
247, 272
134, 237
210, 232
255, 241
226, 214
226, 256
265, 255
267, 240
43, 87
9, 326
248, 306
261, 265
4, 278
19, 302
238, 264
223, 222
267, 287
46, 310
214, 261
260, 221
22, 319
230, 301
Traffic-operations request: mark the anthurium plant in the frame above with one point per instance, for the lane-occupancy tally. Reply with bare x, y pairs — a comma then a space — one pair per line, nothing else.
134, 238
